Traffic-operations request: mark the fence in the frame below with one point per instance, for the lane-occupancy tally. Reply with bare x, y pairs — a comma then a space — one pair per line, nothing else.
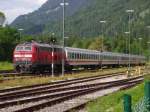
142, 106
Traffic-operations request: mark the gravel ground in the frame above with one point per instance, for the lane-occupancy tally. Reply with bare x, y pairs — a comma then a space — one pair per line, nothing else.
17, 107
78, 101
108, 79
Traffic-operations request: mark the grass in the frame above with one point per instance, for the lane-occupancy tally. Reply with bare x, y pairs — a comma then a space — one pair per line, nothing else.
6, 66
41, 80
114, 102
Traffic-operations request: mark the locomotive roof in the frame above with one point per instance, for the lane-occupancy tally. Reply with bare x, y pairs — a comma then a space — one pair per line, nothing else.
40, 44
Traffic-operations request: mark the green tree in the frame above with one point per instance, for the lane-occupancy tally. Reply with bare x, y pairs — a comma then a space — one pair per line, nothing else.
8, 41
2, 18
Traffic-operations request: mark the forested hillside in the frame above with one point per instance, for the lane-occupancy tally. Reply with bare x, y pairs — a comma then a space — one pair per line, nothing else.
50, 12
83, 19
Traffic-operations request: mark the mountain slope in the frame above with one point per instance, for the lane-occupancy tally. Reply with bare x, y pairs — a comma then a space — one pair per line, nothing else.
50, 11
83, 18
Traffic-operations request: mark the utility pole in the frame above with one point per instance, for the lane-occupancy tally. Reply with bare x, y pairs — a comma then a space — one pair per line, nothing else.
129, 25
20, 31
52, 66
63, 37
102, 24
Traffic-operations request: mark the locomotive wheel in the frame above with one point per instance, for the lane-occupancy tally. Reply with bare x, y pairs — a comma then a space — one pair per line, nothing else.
18, 69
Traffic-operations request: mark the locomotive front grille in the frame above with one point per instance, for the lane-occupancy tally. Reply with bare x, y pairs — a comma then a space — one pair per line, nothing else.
23, 62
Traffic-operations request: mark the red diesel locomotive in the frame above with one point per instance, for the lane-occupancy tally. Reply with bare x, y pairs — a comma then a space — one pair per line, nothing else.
32, 56
38, 57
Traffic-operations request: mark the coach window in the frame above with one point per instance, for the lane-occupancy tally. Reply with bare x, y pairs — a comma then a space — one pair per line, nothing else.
84, 56
91, 56
105, 57
73, 55
94, 57
79, 55
70, 55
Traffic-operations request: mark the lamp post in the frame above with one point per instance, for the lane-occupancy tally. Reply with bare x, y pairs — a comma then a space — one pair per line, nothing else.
102, 22
20, 30
65, 41
129, 28
148, 50
148, 27
127, 33
140, 46
63, 4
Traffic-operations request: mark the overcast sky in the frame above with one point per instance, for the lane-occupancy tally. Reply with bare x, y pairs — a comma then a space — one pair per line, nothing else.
14, 8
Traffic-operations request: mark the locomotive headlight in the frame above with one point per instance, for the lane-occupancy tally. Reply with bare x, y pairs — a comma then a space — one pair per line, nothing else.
28, 56
23, 56
17, 56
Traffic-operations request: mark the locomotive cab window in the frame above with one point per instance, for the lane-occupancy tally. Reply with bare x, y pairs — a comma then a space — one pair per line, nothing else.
19, 48
28, 48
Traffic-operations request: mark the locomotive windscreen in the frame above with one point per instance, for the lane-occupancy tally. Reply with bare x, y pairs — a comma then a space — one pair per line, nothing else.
23, 48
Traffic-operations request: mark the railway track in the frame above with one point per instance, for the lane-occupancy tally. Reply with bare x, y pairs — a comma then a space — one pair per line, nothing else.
6, 71
11, 75
61, 83
81, 106
36, 97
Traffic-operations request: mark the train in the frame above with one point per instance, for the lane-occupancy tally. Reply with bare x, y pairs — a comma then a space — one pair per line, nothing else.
39, 57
